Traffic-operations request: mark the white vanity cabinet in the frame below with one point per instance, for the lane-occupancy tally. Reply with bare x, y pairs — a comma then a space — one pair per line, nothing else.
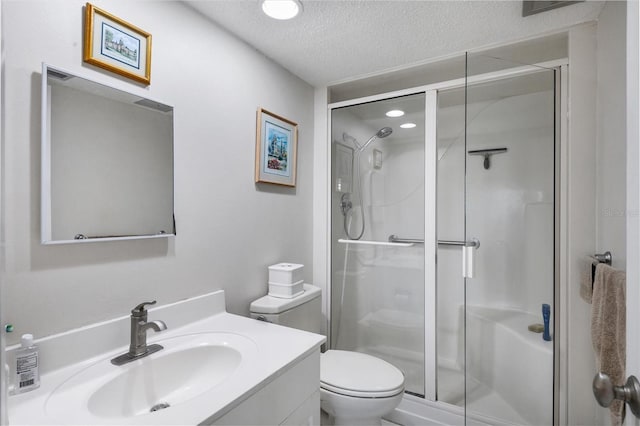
251, 373
293, 398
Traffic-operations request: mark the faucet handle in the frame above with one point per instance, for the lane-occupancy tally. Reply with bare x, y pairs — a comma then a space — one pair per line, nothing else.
139, 310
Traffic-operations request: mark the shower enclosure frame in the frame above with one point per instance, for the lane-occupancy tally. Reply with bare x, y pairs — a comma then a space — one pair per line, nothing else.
423, 408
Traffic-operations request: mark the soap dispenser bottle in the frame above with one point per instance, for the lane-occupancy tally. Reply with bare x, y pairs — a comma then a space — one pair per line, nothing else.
27, 366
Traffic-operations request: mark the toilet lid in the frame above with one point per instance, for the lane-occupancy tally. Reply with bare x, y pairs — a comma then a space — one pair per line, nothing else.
360, 375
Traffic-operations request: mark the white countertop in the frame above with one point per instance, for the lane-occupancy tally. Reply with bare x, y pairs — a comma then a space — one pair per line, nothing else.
276, 349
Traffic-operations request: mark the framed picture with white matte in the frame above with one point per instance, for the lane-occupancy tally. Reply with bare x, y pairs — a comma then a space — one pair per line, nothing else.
116, 45
276, 149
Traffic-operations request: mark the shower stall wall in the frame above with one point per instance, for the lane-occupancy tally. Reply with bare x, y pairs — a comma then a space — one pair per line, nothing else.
479, 165
377, 285
506, 201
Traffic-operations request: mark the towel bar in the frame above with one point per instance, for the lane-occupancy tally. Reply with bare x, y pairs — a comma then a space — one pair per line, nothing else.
605, 258
396, 239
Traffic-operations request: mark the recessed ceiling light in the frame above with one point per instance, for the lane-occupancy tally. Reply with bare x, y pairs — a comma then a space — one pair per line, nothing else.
281, 9
408, 125
395, 113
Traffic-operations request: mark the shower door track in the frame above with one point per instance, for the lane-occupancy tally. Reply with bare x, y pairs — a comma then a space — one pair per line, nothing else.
452, 84
429, 401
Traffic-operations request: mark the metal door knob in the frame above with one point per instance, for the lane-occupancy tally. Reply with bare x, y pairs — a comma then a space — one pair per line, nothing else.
605, 392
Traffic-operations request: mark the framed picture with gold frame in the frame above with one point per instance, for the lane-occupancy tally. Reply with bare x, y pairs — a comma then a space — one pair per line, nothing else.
117, 46
276, 149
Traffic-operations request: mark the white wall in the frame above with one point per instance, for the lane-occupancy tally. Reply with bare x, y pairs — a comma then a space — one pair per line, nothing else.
633, 190
3, 377
510, 206
579, 219
611, 143
229, 229
597, 155
611, 147
321, 174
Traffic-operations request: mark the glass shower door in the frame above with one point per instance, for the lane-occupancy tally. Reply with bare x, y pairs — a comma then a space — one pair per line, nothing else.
378, 228
509, 209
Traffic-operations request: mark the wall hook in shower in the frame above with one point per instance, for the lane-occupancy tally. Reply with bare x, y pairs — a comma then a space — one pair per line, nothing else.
487, 153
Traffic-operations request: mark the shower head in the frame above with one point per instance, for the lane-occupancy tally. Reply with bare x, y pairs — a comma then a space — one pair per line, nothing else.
384, 132
380, 134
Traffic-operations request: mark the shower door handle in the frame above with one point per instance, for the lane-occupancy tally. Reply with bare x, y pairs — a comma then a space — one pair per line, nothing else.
474, 242
468, 257
468, 254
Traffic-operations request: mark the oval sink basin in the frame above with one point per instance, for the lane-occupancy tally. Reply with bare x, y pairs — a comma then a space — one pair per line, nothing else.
164, 381
187, 367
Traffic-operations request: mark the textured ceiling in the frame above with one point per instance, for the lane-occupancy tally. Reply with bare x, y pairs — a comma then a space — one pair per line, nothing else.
338, 40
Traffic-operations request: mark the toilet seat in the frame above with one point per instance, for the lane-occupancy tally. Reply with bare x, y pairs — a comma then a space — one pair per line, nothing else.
360, 394
359, 375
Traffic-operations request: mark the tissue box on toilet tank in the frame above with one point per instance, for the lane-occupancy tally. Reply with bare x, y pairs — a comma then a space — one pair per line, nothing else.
286, 291
286, 280
285, 273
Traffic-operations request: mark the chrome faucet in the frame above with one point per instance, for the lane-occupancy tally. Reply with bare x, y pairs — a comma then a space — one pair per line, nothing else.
139, 327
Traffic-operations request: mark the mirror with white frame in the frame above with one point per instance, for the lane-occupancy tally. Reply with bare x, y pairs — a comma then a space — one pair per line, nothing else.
107, 162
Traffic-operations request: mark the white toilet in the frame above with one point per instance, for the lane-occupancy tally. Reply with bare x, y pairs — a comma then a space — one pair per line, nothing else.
355, 388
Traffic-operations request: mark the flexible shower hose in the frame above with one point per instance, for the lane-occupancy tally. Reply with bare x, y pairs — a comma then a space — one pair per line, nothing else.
359, 194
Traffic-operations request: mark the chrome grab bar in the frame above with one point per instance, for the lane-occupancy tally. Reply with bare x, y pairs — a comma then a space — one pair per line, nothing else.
471, 243
451, 243
376, 243
396, 239
474, 242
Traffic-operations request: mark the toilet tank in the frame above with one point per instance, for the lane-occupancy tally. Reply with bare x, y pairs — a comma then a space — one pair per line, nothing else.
303, 312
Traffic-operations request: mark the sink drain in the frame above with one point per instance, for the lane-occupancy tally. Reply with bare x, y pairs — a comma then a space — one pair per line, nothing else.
159, 406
